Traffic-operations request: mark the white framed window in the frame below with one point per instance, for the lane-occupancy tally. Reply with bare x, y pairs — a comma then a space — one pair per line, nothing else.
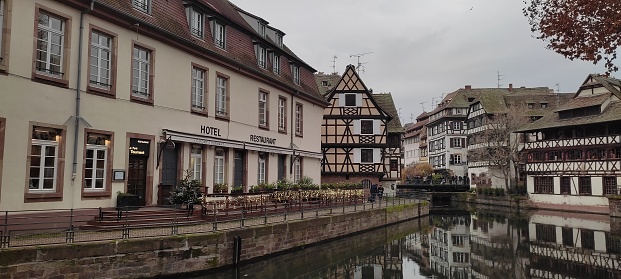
262, 109
276, 64
140, 73
198, 89
278, 39
295, 73
261, 56
456, 142
1, 27
196, 162
297, 170
461, 257
298, 119
50, 44
456, 159
262, 29
366, 155
219, 35
261, 169
142, 5
95, 168
221, 96
43, 160
350, 100
196, 22
218, 166
101, 60
456, 125
282, 114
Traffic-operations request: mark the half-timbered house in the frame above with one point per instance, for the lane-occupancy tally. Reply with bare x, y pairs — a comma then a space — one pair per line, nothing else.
361, 134
574, 154
415, 141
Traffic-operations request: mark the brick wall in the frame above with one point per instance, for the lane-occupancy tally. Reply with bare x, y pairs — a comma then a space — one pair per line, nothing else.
189, 253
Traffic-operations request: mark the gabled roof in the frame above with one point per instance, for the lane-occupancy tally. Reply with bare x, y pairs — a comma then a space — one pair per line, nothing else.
384, 100
610, 83
551, 120
586, 101
330, 79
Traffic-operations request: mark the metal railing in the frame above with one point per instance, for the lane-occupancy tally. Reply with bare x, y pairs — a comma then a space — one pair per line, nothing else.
44, 227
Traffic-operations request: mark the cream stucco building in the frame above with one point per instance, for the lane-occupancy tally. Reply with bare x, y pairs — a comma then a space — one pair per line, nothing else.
98, 97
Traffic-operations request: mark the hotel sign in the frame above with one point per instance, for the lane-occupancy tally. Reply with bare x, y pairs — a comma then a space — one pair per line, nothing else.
210, 131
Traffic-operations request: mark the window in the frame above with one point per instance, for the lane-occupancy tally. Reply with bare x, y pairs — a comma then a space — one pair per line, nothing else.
456, 142
546, 233
142, 5
261, 57
366, 127
394, 165
457, 159
298, 120
573, 155
196, 162
43, 159
610, 185
584, 183
366, 155
568, 236
544, 185
262, 29
458, 240
295, 73
219, 35
196, 23
456, 125
324, 83
218, 166
595, 154
297, 169
276, 64
544, 105
263, 110
565, 185
613, 243
554, 156
101, 72
461, 257
222, 96
531, 105
278, 39
261, 168
198, 89
95, 169
282, 115
587, 238
141, 71
350, 100
50, 45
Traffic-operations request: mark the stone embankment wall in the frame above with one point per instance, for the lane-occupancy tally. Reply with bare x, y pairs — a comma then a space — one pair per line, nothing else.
150, 257
508, 201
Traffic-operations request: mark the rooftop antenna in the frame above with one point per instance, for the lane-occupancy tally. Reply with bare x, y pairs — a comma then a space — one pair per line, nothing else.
334, 64
411, 118
433, 102
422, 104
558, 88
399, 113
499, 78
358, 57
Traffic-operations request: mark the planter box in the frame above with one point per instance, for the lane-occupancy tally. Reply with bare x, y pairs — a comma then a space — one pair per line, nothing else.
130, 202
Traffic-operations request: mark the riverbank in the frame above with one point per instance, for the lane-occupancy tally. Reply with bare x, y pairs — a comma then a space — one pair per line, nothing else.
179, 254
523, 203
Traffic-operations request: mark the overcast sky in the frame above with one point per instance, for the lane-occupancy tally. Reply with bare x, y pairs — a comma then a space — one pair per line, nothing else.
421, 49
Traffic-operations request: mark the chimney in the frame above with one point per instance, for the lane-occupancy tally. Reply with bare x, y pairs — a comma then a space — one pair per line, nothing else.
468, 87
510, 87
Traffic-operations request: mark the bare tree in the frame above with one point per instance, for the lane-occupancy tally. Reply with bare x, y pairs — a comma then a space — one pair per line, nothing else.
496, 144
420, 169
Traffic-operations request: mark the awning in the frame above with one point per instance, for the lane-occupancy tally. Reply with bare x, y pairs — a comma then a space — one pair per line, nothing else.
199, 139
269, 149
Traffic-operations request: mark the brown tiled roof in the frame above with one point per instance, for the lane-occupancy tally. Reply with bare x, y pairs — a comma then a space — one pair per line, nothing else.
168, 19
611, 113
385, 102
610, 83
586, 101
331, 79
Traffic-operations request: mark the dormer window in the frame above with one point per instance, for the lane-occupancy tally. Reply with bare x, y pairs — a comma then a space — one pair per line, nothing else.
262, 29
295, 73
276, 64
531, 105
279, 39
142, 5
196, 22
219, 34
544, 105
261, 56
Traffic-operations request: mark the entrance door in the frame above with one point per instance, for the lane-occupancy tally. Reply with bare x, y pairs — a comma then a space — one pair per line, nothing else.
281, 166
169, 166
238, 168
137, 177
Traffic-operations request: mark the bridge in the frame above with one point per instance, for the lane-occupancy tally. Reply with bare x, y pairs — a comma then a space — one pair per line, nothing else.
434, 190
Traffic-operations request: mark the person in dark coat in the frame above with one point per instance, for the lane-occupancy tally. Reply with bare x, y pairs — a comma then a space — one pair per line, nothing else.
373, 192
380, 192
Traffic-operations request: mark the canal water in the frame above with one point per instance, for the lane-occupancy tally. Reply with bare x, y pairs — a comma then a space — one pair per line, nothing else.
458, 243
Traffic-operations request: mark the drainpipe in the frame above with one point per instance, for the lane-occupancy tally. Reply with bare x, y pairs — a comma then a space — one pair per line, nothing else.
77, 116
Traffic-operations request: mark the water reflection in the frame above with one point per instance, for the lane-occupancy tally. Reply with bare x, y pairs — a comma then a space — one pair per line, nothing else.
461, 244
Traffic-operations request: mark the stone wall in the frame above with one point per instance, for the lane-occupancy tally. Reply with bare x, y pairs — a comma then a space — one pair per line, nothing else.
614, 204
151, 257
508, 201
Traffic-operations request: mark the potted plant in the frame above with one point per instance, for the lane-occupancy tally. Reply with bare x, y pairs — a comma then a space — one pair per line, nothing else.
237, 189
127, 201
187, 191
220, 188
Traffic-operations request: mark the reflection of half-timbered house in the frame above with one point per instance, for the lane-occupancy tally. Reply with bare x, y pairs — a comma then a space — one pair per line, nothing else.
361, 134
574, 154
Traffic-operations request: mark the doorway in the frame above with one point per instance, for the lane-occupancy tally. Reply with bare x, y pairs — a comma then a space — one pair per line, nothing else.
282, 159
238, 167
137, 178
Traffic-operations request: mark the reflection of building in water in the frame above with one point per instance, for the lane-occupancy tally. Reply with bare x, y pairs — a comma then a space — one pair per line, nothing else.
497, 247
385, 262
565, 246
449, 242
416, 248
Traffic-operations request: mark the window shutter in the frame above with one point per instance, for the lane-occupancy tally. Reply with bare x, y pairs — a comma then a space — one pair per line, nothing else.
358, 100
357, 127
341, 100
451, 142
452, 159
377, 156
463, 142
357, 155
376, 127
450, 125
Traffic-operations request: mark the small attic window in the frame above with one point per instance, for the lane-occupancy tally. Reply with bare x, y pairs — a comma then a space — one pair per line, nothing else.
544, 105
262, 29
279, 39
531, 105
470, 99
324, 83
196, 22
